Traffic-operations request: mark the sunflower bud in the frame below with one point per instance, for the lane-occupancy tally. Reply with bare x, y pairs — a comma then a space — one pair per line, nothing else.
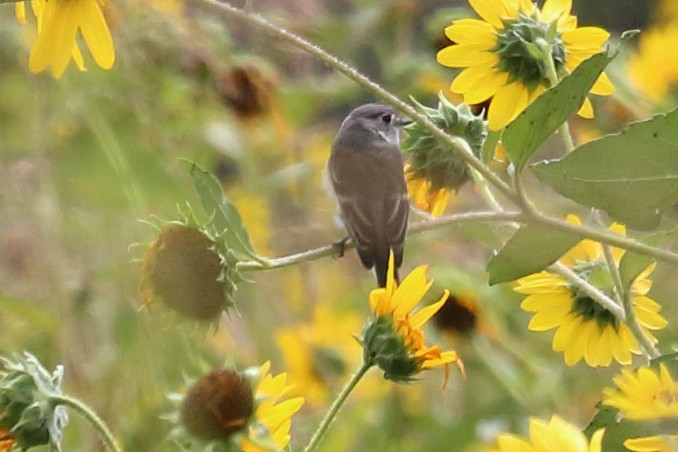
435, 162
28, 416
218, 405
184, 269
383, 346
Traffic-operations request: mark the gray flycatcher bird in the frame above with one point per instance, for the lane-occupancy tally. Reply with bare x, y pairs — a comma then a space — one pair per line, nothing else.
365, 170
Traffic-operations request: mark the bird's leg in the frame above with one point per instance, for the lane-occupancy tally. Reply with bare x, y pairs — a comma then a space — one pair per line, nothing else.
340, 246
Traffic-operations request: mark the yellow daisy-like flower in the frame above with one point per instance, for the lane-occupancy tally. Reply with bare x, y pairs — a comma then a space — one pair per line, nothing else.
501, 56
431, 201
653, 70
584, 328
319, 353
644, 394
394, 340
242, 411
58, 23
663, 443
273, 418
557, 434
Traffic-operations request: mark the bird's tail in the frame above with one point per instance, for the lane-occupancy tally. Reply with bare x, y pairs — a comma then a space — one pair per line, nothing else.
381, 260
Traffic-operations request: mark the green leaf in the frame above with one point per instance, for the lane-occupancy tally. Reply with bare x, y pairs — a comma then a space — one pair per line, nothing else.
633, 264
531, 249
489, 146
225, 215
632, 175
543, 117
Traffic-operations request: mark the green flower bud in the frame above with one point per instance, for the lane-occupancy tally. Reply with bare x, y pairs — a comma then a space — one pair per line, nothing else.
434, 161
383, 346
27, 411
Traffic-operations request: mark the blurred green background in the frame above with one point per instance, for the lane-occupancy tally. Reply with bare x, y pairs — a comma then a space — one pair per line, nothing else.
86, 159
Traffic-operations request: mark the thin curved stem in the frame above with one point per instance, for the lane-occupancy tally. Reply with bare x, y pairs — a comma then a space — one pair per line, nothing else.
336, 406
417, 228
226, 9
459, 145
626, 299
93, 418
552, 76
603, 237
597, 295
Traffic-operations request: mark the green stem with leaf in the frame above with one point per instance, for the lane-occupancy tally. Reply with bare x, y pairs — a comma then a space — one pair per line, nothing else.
88, 413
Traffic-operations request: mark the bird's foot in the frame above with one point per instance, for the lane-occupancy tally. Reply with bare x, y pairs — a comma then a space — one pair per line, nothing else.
340, 246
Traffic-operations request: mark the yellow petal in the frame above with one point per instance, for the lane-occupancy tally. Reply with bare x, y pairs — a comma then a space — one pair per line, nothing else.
554, 10
468, 78
440, 201
390, 276
410, 292
54, 45
509, 100
602, 348
284, 410
20, 12
547, 319
485, 87
541, 436
491, 11
586, 110
574, 351
511, 443
464, 56
422, 316
597, 441
603, 86
585, 39
96, 34
472, 32
77, 57
548, 301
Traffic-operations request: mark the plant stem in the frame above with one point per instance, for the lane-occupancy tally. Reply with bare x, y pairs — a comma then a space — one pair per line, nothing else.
457, 144
627, 302
593, 292
485, 191
336, 406
603, 237
332, 250
636, 329
93, 418
552, 76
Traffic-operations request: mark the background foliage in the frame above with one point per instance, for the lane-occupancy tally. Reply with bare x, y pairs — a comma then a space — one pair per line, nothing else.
84, 158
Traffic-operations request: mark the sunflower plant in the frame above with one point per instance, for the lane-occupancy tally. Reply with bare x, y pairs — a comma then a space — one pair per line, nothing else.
581, 230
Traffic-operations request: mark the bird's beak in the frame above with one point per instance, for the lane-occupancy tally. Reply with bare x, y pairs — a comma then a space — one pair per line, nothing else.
400, 122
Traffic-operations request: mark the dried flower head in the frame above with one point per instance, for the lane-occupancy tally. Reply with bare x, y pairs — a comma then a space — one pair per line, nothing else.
184, 269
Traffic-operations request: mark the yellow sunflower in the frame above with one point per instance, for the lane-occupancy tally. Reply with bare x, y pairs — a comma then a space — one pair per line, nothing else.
272, 417
58, 23
434, 202
644, 394
501, 56
584, 328
225, 408
557, 434
393, 340
653, 70
660, 443
319, 353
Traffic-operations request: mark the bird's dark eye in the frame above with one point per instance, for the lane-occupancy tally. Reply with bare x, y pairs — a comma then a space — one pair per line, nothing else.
387, 118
